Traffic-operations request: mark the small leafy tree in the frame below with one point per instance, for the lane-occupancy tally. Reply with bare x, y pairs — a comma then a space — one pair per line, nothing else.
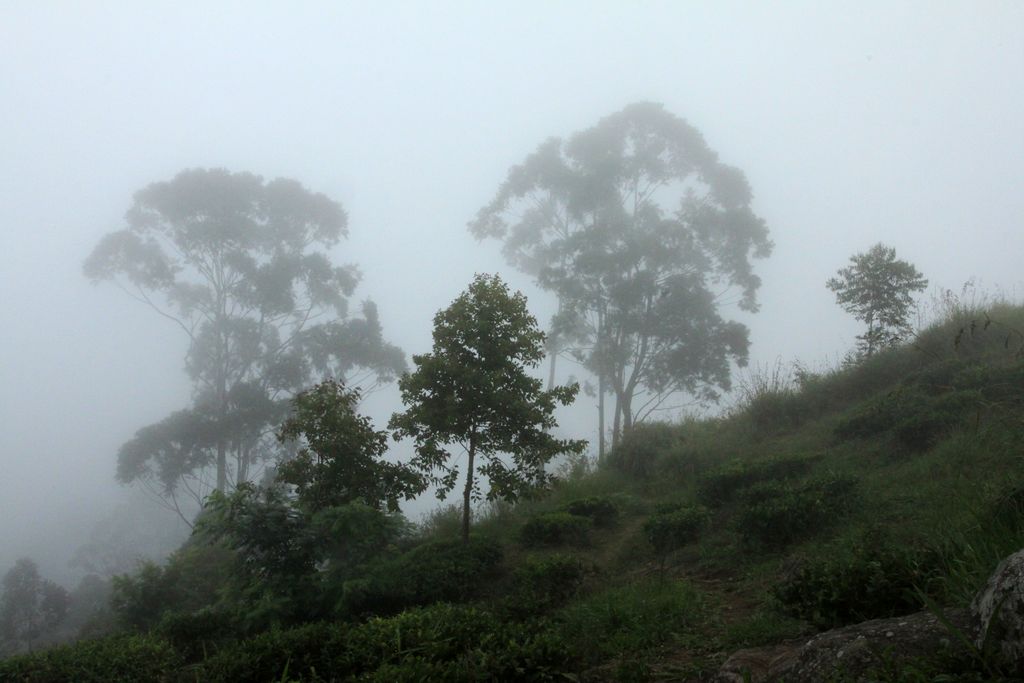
877, 288
472, 391
342, 456
30, 607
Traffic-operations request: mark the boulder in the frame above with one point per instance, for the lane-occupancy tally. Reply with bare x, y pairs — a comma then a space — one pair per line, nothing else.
998, 610
853, 650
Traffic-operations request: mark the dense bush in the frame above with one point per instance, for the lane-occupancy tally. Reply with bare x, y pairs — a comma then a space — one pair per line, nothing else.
540, 585
773, 408
441, 642
302, 650
778, 515
119, 659
670, 529
920, 429
630, 619
871, 579
926, 406
190, 581
197, 634
873, 418
639, 450
598, 509
720, 486
554, 529
442, 571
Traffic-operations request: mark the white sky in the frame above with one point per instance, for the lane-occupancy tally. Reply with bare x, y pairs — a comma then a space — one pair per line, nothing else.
855, 122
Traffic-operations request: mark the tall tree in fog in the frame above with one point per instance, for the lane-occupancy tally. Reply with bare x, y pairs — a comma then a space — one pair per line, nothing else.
30, 607
240, 266
877, 289
643, 235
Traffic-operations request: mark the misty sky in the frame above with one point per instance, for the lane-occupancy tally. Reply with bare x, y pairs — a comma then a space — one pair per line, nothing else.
854, 122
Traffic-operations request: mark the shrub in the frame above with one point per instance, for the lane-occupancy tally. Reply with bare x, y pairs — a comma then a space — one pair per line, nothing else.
540, 585
553, 529
639, 450
672, 529
932, 420
197, 634
629, 619
874, 418
777, 516
114, 659
190, 581
598, 509
300, 650
718, 487
872, 579
441, 642
442, 571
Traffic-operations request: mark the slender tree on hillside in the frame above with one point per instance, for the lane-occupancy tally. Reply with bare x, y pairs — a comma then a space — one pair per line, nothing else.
642, 235
877, 289
472, 392
240, 266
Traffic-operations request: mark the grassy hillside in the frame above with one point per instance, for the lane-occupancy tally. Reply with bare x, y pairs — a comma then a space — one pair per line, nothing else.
862, 492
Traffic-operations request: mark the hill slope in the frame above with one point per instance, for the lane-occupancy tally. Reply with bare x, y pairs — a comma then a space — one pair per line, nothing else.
869, 491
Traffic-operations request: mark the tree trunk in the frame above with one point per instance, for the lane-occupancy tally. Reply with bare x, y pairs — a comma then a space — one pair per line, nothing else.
244, 456
600, 418
222, 464
468, 492
626, 408
617, 422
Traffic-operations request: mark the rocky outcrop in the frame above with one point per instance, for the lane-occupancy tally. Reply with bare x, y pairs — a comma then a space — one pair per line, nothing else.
855, 650
995, 622
998, 610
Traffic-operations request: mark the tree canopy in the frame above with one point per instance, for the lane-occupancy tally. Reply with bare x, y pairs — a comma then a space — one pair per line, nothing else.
877, 289
472, 391
642, 234
240, 265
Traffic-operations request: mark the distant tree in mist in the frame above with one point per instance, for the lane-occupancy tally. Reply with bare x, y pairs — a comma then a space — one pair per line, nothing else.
642, 235
31, 607
877, 289
472, 392
240, 266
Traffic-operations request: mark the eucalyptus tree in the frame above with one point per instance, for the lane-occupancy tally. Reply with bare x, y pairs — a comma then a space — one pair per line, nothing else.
241, 267
472, 393
877, 289
642, 234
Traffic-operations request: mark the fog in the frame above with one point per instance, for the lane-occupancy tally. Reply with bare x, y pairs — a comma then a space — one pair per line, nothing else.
854, 123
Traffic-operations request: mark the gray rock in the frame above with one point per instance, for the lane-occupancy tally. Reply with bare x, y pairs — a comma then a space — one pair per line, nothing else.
852, 650
999, 610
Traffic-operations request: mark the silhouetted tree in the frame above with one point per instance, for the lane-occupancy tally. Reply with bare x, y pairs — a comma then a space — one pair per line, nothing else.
239, 265
472, 391
642, 234
877, 288
31, 607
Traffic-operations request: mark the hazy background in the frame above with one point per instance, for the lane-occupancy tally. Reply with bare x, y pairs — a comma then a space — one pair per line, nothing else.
854, 122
